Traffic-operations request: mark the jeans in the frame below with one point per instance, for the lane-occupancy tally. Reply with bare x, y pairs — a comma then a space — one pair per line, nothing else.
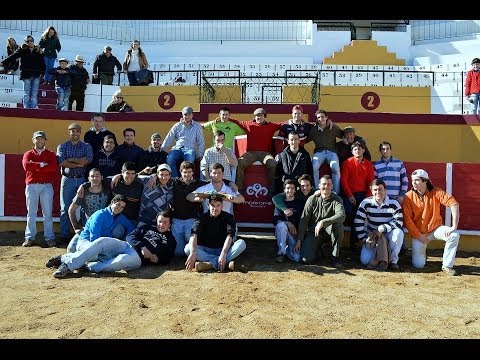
120, 232
350, 212
30, 92
395, 241
175, 157
286, 242
44, 193
68, 189
104, 254
450, 250
211, 254
475, 101
332, 158
49, 64
181, 230
63, 94
132, 80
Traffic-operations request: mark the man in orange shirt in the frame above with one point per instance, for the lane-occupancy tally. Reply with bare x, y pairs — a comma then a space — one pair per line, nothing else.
421, 217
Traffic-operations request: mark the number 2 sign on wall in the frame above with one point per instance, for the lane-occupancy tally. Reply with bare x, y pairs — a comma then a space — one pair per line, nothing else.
166, 100
370, 100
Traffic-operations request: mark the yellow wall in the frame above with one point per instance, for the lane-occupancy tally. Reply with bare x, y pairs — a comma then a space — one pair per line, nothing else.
411, 142
162, 98
410, 100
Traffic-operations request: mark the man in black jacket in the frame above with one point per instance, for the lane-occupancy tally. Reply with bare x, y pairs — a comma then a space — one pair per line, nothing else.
80, 79
292, 162
32, 67
104, 66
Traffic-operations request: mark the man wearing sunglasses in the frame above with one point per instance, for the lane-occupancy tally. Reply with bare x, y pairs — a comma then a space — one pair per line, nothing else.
32, 67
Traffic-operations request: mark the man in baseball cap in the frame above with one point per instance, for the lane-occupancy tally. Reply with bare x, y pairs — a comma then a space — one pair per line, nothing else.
74, 126
153, 155
40, 165
422, 218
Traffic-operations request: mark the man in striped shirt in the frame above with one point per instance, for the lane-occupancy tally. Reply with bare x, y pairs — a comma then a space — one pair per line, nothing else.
379, 213
393, 172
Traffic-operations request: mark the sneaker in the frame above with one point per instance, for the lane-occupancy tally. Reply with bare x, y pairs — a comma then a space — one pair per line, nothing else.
63, 240
50, 243
202, 266
335, 262
281, 258
231, 265
62, 271
449, 271
27, 243
394, 267
55, 261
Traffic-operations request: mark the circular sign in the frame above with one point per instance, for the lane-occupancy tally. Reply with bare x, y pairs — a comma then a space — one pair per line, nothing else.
166, 100
370, 100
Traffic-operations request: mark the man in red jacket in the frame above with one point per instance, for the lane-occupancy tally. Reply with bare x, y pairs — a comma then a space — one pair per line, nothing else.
472, 85
40, 165
259, 144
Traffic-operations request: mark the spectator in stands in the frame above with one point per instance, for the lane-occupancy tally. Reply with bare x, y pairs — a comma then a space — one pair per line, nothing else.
107, 159
223, 123
357, 175
96, 249
63, 83
90, 197
259, 145
32, 67
104, 66
129, 151
292, 162
211, 244
11, 67
324, 138
382, 215
188, 136
219, 153
286, 226
344, 147
421, 215
50, 45
472, 86
296, 124
322, 217
153, 156
96, 134
306, 190
118, 104
392, 171
135, 60
40, 165
73, 156
80, 79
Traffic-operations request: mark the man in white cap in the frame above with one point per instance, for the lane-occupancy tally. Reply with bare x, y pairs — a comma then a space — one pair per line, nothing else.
259, 146
188, 135
40, 166
421, 215
80, 79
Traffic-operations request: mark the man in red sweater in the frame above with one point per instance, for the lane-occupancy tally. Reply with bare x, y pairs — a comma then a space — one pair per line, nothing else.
357, 175
40, 165
259, 144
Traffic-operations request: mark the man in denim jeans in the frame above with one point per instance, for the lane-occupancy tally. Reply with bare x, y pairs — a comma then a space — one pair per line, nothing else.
32, 66
472, 85
40, 165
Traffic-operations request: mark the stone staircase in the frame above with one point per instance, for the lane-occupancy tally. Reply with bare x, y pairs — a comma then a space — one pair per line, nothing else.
47, 97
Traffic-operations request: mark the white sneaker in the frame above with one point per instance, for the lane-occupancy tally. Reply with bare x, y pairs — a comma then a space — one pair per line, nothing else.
449, 271
27, 243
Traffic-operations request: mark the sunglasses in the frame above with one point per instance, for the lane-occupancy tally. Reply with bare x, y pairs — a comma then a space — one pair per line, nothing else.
29, 41
118, 97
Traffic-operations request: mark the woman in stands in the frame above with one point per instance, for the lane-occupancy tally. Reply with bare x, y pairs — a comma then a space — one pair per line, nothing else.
118, 104
12, 66
135, 60
50, 44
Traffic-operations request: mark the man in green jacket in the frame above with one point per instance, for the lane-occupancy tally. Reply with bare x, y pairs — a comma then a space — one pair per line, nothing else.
322, 217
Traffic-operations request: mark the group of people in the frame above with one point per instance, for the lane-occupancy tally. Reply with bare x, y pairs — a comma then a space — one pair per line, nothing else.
38, 61
371, 198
